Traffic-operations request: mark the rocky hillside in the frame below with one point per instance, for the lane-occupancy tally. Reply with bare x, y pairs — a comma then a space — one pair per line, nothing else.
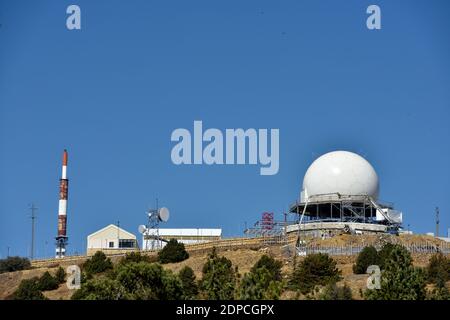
244, 259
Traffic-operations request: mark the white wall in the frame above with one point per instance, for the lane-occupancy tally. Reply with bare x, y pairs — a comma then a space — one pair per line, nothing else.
152, 244
101, 238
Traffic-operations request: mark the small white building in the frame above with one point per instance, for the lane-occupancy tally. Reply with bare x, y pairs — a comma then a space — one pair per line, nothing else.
186, 236
111, 239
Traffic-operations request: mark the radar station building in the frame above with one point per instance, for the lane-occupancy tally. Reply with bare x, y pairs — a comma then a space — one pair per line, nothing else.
157, 238
340, 193
111, 239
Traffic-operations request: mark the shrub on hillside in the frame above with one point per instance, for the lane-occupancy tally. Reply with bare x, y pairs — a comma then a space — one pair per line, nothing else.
315, 270
133, 281
400, 280
367, 257
47, 282
135, 257
438, 268
173, 251
219, 278
149, 281
188, 283
259, 284
272, 265
60, 275
97, 264
385, 253
14, 264
335, 292
440, 292
29, 290
100, 289
263, 281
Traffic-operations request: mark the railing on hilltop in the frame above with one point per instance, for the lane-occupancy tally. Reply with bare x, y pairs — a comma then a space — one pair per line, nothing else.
349, 250
260, 242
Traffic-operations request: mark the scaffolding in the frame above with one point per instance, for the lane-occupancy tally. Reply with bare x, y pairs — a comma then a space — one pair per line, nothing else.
335, 207
272, 231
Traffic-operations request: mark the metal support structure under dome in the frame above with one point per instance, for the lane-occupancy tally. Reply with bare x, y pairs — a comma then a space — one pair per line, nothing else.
346, 208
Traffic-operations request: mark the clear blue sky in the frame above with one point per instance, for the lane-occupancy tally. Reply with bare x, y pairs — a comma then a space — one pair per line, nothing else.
113, 92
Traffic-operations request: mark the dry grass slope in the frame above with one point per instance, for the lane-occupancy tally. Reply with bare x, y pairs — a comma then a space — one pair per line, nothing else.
244, 259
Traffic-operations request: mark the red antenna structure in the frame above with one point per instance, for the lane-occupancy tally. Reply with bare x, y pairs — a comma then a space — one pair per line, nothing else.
267, 222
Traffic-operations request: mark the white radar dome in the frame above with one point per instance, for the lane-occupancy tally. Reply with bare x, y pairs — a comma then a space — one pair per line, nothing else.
341, 172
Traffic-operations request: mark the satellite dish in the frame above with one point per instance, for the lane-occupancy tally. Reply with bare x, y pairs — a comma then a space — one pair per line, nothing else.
163, 214
142, 228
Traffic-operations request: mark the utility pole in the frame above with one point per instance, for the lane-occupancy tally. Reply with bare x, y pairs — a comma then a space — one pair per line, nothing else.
158, 242
33, 218
437, 221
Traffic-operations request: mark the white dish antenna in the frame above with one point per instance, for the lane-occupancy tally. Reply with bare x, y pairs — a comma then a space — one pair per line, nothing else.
163, 214
142, 228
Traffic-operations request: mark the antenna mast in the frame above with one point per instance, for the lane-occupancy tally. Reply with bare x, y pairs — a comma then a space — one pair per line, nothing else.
33, 218
151, 230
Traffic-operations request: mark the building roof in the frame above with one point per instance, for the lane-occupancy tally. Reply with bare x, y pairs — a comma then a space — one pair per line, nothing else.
187, 232
122, 232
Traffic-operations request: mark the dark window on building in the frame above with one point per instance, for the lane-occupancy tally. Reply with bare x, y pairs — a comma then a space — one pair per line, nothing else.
127, 243
111, 244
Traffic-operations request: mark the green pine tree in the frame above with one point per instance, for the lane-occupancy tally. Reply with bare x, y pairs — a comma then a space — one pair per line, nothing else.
188, 283
60, 275
29, 289
173, 251
334, 292
97, 264
260, 284
317, 269
47, 282
438, 268
400, 280
219, 278
367, 257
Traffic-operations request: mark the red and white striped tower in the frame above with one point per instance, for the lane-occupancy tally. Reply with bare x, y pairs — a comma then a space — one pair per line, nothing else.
61, 239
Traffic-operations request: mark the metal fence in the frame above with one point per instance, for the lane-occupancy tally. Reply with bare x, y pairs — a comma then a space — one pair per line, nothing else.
259, 242
349, 250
